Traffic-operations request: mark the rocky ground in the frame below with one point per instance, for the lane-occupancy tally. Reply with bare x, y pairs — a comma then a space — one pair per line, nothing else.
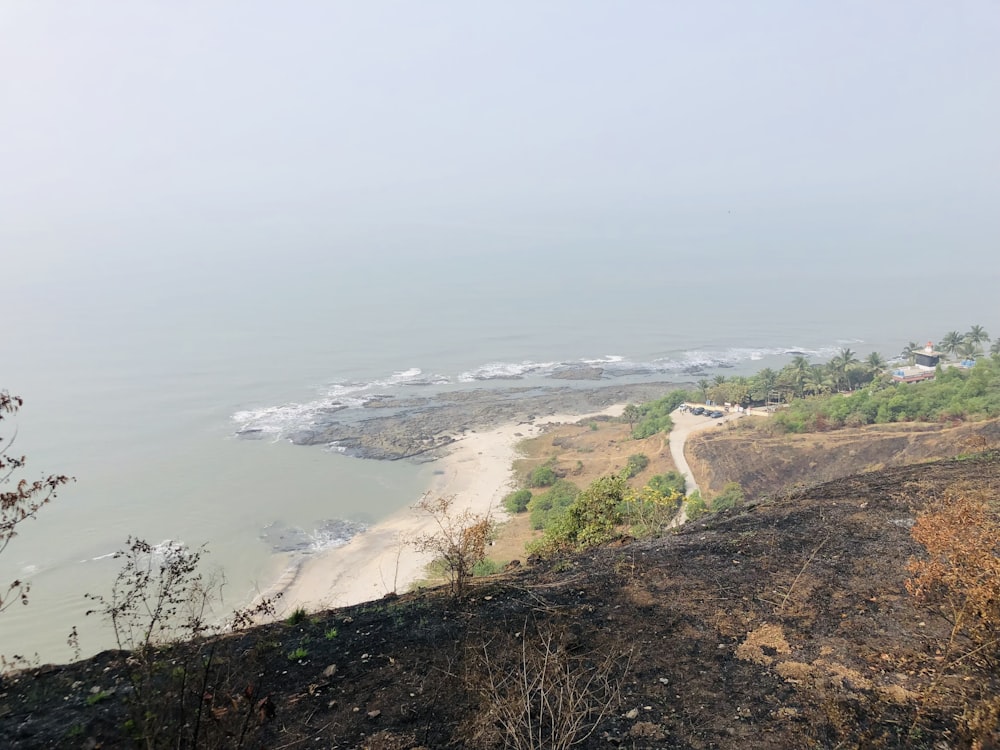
781, 624
419, 427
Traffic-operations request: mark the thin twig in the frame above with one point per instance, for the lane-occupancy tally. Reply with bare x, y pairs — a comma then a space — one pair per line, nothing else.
801, 571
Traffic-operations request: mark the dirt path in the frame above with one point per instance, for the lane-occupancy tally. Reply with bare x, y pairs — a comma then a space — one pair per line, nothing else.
686, 423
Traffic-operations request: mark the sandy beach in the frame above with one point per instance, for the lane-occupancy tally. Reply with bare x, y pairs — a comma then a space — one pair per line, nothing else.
477, 472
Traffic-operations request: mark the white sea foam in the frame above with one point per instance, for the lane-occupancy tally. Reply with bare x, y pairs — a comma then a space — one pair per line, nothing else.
506, 370
334, 534
280, 421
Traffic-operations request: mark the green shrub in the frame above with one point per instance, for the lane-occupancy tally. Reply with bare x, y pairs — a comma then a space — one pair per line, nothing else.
486, 567
542, 476
636, 463
731, 495
655, 415
298, 654
517, 502
695, 506
549, 506
592, 517
298, 615
667, 483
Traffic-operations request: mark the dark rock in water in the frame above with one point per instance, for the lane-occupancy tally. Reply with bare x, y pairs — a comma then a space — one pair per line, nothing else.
326, 535
251, 434
303, 437
578, 373
421, 429
282, 538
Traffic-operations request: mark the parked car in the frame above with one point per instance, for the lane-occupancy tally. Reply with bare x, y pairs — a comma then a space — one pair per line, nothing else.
716, 414
698, 410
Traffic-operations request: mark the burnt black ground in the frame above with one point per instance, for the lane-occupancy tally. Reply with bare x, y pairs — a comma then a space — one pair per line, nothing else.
781, 624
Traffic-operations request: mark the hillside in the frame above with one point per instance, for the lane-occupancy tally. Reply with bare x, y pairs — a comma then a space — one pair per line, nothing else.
762, 461
782, 624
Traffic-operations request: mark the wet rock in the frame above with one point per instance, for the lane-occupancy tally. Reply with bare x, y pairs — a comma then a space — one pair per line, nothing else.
578, 373
422, 429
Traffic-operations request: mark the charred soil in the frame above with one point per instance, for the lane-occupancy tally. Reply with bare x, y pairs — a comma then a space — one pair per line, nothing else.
780, 624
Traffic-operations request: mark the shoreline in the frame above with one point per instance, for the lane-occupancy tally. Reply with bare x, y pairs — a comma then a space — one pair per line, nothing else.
477, 471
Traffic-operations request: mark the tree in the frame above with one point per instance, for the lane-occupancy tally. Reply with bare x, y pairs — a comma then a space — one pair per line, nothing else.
908, 352
841, 366
631, 414
995, 349
977, 335
950, 343
459, 540
820, 379
703, 385
969, 349
798, 370
875, 363
766, 380
21, 503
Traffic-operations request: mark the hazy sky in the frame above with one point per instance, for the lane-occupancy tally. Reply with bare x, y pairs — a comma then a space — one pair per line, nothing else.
797, 130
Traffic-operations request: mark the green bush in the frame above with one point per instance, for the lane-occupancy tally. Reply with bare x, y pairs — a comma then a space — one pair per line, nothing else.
731, 495
542, 476
636, 463
547, 507
695, 506
655, 415
592, 517
486, 567
517, 502
667, 483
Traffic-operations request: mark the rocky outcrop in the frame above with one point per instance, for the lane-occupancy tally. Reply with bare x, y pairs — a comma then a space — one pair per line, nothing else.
420, 428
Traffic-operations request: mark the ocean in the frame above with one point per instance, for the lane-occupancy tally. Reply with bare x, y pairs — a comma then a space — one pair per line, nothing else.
139, 369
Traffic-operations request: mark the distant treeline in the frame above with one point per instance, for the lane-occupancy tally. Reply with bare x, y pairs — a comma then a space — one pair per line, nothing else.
848, 391
954, 394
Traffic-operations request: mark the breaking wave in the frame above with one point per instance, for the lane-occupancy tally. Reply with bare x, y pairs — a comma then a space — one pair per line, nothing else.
276, 422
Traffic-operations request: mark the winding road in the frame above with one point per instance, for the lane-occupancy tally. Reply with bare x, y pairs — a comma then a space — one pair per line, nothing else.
686, 423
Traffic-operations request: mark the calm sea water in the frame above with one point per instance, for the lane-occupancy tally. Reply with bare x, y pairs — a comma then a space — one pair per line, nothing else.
138, 371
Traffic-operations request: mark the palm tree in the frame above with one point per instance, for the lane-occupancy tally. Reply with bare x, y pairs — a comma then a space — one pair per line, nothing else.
819, 379
908, 350
766, 380
875, 363
798, 370
950, 343
969, 350
995, 349
977, 335
719, 379
703, 387
841, 366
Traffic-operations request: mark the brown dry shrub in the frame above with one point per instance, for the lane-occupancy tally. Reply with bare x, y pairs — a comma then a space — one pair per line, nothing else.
960, 577
539, 689
459, 541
